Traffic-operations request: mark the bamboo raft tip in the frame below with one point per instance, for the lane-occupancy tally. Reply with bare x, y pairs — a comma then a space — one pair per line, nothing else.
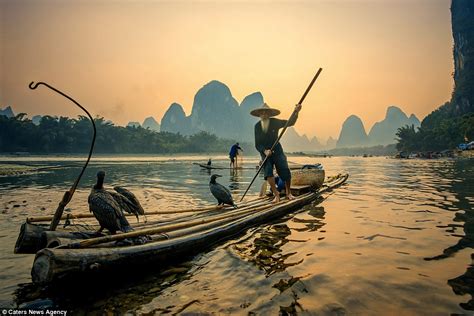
41, 271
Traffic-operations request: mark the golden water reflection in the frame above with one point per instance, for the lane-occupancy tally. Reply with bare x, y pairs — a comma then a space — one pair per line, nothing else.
397, 239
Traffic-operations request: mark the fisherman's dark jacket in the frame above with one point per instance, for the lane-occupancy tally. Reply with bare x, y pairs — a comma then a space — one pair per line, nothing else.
265, 140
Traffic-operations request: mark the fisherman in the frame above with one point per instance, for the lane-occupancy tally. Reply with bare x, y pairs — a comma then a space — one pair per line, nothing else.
266, 133
234, 152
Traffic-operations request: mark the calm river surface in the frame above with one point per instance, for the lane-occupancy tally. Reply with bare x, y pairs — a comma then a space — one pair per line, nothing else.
396, 240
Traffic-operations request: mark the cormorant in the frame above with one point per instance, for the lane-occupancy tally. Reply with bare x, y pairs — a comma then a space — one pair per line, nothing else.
220, 192
106, 209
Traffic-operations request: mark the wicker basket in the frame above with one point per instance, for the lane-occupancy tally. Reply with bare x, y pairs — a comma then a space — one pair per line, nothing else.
307, 177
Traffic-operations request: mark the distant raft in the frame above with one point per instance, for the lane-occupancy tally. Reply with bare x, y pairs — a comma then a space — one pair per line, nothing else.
213, 167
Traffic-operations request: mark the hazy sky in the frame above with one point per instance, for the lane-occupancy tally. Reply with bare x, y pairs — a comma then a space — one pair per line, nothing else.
126, 60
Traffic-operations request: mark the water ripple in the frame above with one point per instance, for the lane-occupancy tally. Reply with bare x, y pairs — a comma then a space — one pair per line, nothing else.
395, 240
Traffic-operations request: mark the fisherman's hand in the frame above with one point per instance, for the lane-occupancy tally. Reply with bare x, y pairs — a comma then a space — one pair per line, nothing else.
267, 152
297, 108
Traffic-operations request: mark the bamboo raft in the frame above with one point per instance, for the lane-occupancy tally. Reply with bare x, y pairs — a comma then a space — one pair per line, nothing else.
74, 250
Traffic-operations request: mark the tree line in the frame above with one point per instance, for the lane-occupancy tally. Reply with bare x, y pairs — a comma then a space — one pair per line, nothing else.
440, 132
453, 122
70, 135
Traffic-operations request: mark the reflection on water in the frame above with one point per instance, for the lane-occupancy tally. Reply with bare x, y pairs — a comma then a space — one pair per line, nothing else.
116, 292
235, 179
464, 284
462, 189
397, 239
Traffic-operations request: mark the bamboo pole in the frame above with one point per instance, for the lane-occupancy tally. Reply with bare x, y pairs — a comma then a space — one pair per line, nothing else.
71, 231
223, 211
62, 237
169, 235
165, 228
35, 219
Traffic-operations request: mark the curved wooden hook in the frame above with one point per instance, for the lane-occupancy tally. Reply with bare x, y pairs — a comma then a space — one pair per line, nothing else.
68, 195
34, 85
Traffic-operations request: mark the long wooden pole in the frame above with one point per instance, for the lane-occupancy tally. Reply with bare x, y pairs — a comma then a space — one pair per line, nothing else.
167, 228
68, 194
36, 219
283, 131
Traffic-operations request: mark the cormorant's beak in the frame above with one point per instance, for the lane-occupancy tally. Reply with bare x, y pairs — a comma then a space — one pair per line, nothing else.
218, 175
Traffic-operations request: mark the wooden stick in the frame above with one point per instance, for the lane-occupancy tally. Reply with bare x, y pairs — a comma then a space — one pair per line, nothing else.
87, 215
163, 229
174, 233
35, 219
66, 237
68, 194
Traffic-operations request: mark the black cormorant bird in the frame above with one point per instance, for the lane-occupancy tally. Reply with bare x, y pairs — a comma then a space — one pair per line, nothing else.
220, 192
106, 209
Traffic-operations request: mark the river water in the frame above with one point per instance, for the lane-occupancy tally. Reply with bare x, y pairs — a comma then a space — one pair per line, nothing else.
396, 240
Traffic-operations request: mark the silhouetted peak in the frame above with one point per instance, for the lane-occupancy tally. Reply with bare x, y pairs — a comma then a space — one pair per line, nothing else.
251, 101
176, 108
151, 123
394, 112
352, 133
8, 112
353, 119
214, 86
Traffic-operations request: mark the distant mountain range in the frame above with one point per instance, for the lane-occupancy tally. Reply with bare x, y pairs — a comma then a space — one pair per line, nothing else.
149, 123
353, 133
216, 111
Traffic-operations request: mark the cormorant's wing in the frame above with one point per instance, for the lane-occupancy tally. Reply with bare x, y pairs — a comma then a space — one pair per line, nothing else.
225, 189
132, 198
124, 203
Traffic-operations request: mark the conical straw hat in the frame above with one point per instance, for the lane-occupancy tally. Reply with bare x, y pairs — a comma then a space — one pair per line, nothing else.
265, 109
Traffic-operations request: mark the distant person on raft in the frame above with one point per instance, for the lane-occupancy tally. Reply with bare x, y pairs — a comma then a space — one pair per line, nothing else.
234, 152
266, 133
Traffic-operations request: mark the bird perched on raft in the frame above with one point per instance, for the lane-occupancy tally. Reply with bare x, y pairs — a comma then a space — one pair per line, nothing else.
220, 192
108, 207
